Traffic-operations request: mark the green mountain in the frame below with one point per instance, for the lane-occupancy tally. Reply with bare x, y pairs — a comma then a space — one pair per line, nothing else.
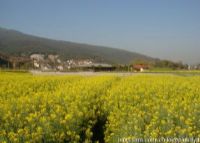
17, 44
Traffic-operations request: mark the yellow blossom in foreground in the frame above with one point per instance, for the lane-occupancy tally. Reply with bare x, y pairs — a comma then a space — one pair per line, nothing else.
86, 109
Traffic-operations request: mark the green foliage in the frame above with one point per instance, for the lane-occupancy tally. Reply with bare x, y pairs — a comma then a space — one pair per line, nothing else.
169, 64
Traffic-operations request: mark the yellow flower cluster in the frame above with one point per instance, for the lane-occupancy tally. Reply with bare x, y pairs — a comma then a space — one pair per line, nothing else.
164, 106
49, 108
87, 109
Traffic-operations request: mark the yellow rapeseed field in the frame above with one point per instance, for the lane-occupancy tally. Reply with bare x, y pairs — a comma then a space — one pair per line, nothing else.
97, 108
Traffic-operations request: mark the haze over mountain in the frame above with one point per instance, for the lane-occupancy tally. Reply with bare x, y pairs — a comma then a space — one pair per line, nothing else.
167, 29
16, 43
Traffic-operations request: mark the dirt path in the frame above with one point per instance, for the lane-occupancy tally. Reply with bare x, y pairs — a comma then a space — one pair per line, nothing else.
82, 73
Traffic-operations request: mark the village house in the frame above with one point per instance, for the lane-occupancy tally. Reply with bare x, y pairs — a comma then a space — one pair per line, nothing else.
96, 67
37, 57
140, 67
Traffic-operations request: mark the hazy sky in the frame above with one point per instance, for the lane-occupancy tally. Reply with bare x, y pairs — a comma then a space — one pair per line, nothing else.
168, 29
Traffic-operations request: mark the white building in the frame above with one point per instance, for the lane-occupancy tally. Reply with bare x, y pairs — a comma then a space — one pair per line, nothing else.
37, 57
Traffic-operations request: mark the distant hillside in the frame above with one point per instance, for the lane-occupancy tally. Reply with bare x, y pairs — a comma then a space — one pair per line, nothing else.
17, 43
